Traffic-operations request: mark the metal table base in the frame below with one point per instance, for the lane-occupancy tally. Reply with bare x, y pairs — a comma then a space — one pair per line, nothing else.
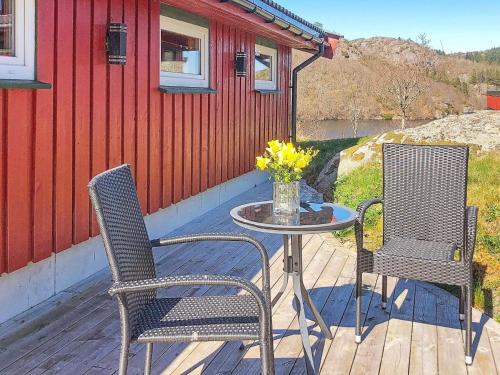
292, 267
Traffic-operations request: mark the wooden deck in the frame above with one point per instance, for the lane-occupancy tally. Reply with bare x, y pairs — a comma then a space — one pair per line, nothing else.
77, 332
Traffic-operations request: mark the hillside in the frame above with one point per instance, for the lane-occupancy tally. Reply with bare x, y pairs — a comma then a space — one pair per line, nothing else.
491, 55
452, 84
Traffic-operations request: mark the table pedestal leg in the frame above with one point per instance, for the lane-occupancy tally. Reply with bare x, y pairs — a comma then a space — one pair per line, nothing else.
317, 315
292, 266
286, 270
301, 293
304, 332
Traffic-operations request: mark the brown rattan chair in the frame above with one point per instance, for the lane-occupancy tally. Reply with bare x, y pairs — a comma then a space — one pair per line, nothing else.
147, 319
426, 221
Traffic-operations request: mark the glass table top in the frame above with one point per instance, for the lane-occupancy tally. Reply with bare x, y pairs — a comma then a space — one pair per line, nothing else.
313, 217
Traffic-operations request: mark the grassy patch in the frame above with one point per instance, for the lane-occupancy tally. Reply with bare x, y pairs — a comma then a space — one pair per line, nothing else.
483, 191
361, 184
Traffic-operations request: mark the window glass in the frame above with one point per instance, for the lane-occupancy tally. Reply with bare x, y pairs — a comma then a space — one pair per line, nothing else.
263, 67
184, 59
180, 53
7, 28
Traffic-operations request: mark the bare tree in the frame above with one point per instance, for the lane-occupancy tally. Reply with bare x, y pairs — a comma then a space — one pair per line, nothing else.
424, 40
355, 107
354, 103
405, 85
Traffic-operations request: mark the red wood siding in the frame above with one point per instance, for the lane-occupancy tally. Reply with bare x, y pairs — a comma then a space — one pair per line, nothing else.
98, 116
493, 102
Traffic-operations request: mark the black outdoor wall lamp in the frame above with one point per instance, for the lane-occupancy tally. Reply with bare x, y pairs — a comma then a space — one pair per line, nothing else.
240, 64
116, 43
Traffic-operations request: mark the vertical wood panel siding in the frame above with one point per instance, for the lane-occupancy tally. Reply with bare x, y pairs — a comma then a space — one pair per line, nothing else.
98, 116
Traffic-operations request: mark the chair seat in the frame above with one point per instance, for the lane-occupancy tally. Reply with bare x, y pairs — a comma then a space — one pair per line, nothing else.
419, 249
210, 318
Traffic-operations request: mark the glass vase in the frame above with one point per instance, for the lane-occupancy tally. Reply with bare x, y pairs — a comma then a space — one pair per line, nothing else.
286, 198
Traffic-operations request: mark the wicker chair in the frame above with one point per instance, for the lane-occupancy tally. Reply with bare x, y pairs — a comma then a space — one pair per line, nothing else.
147, 319
425, 221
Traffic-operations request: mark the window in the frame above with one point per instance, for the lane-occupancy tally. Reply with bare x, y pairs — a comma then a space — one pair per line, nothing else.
17, 39
265, 67
183, 54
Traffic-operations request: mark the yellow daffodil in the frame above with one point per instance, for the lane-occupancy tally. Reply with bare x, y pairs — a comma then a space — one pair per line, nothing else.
290, 155
262, 162
280, 157
274, 146
302, 162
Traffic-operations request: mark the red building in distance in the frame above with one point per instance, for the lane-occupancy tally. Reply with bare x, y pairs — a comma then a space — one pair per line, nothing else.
493, 99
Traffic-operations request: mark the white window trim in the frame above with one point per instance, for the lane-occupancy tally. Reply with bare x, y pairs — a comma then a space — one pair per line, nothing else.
22, 65
195, 31
272, 84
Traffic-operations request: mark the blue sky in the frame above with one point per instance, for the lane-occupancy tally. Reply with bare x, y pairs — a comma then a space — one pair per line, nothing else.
460, 25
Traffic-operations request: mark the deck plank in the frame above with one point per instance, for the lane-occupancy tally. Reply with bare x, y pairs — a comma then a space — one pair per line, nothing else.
484, 359
369, 352
451, 354
396, 356
333, 282
290, 346
341, 352
334, 310
494, 337
424, 347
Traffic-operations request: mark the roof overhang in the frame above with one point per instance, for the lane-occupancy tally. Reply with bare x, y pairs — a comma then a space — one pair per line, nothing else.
493, 93
266, 18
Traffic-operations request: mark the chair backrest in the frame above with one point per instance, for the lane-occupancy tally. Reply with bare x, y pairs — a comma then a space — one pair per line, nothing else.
425, 192
124, 233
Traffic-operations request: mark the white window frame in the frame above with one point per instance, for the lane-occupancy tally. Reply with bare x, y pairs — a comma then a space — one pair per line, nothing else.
22, 65
194, 31
273, 52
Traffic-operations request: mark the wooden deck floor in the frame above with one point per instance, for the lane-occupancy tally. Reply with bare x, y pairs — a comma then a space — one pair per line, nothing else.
77, 332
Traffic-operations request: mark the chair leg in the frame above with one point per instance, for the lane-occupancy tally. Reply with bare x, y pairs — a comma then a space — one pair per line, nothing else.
149, 358
266, 343
122, 369
461, 305
359, 281
384, 292
267, 356
468, 326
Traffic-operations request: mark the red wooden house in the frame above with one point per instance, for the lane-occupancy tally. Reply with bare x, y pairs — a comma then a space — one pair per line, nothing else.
86, 85
493, 99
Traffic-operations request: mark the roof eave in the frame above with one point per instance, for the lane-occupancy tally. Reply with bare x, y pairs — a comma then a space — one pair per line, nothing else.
270, 13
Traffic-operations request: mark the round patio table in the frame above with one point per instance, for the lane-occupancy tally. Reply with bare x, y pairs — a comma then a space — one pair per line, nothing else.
312, 218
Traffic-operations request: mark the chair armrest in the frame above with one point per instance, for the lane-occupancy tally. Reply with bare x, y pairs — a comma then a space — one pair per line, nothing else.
266, 288
358, 225
125, 287
471, 226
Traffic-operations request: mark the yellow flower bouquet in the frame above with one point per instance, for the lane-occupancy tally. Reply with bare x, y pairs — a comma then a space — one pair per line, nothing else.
286, 164
284, 161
